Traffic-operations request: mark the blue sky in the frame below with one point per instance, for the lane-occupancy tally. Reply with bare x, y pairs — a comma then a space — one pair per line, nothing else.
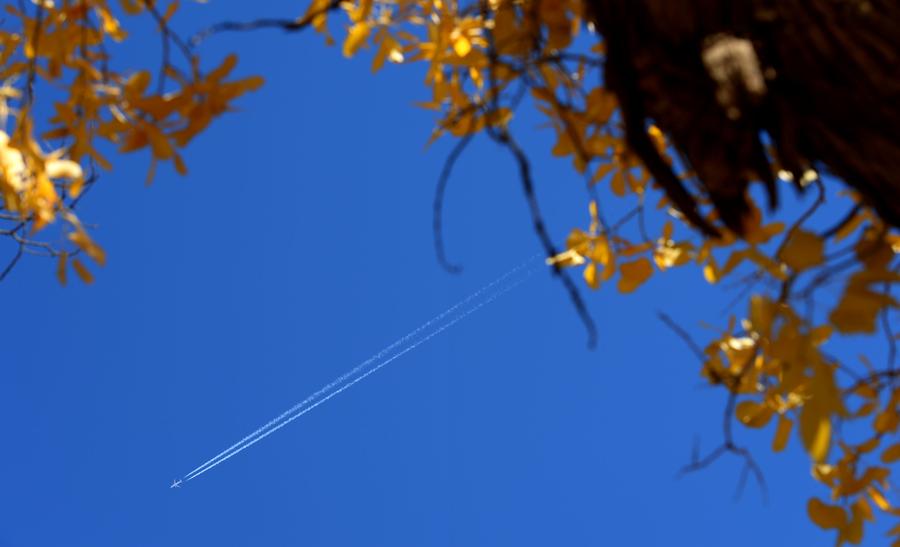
299, 245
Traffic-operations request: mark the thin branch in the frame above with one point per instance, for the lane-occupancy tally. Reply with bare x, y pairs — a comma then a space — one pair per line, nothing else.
841, 223
504, 138
683, 334
438, 205
729, 447
13, 262
287, 25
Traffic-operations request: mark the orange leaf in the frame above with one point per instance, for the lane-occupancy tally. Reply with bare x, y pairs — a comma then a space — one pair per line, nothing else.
82, 272
891, 453
61, 268
803, 250
825, 515
590, 275
782, 433
634, 274
356, 37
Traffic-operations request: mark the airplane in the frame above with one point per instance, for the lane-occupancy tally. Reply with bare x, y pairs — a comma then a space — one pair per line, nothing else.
176, 484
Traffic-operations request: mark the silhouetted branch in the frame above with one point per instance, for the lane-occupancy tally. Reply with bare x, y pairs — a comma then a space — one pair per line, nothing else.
287, 25
683, 334
438, 205
503, 137
12, 263
728, 446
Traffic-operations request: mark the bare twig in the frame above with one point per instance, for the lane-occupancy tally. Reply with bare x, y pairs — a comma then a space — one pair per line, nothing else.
683, 334
438, 205
287, 25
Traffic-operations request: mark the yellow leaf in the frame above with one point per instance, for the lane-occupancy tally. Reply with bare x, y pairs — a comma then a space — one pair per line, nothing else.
600, 251
462, 45
618, 184
671, 255
65, 169
76, 187
386, 48
879, 499
356, 37
590, 275
82, 272
782, 433
858, 309
578, 241
566, 259
803, 250
362, 11
601, 103
824, 473
668, 229
824, 515
762, 312
80, 238
753, 414
111, 25
634, 274
815, 430
891, 453
711, 272
170, 11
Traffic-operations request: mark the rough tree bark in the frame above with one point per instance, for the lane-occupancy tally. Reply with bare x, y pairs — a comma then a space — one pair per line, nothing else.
820, 77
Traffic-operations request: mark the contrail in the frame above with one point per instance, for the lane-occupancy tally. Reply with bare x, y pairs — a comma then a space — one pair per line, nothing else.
298, 410
343, 388
341, 379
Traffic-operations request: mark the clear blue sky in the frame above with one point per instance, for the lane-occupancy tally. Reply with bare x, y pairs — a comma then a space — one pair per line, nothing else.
299, 245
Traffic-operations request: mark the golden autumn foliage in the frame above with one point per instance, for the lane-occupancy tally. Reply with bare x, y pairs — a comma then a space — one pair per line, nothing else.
64, 45
483, 62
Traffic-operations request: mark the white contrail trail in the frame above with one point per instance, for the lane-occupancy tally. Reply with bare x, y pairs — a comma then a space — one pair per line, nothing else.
236, 447
341, 379
343, 388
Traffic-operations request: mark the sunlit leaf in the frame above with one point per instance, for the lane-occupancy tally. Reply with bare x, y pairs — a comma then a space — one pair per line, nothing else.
590, 275
815, 431
782, 433
753, 414
356, 37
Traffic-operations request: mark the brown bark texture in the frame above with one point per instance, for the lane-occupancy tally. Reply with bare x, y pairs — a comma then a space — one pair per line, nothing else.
820, 78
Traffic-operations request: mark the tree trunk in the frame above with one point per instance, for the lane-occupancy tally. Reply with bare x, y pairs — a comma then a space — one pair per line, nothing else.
820, 77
